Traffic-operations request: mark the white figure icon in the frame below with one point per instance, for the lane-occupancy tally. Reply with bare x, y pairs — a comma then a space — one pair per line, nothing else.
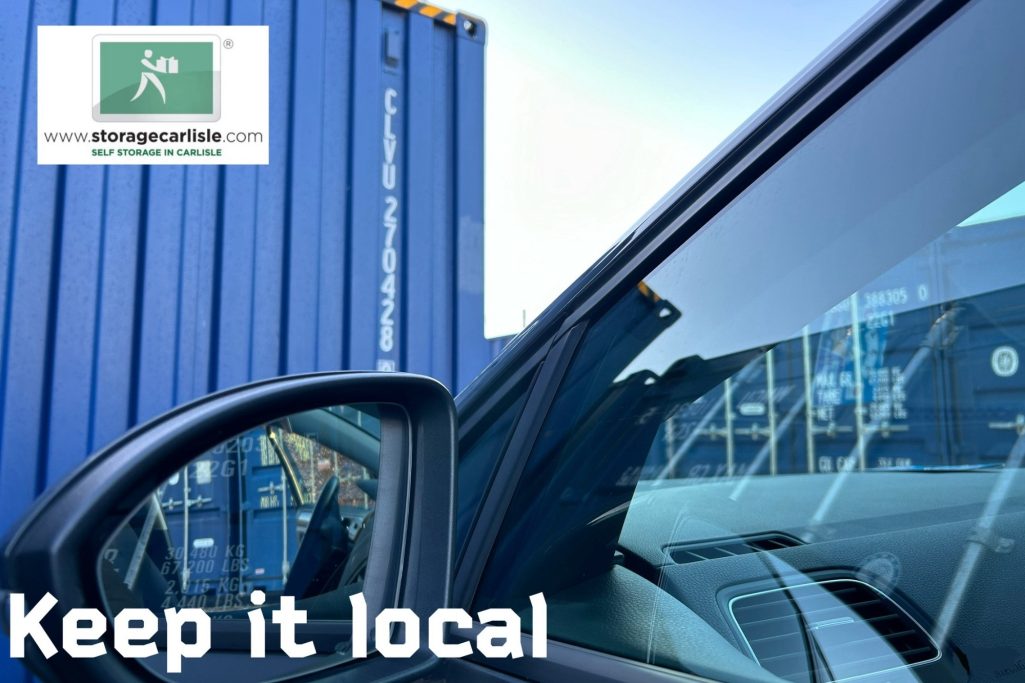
164, 65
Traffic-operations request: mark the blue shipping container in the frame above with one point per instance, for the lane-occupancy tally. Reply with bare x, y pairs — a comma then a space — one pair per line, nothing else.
126, 290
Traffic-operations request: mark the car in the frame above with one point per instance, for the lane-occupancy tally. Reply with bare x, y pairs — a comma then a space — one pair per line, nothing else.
775, 433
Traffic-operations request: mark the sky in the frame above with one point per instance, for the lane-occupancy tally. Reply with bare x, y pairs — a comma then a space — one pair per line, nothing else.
594, 110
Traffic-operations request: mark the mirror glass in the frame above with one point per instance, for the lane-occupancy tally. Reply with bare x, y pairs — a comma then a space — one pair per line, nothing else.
286, 508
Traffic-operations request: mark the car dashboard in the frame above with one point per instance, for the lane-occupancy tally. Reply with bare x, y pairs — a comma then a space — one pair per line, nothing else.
869, 576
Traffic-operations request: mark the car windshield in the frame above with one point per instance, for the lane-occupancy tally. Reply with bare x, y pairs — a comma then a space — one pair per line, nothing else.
741, 468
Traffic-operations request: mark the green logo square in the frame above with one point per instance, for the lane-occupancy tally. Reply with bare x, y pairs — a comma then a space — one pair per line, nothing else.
156, 80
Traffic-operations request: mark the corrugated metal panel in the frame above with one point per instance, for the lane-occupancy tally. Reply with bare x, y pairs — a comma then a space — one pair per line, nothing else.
128, 290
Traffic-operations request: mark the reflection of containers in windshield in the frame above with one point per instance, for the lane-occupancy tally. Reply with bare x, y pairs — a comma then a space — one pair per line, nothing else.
919, 369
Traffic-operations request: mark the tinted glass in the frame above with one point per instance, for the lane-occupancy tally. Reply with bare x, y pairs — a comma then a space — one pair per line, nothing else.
478, 458
794, 448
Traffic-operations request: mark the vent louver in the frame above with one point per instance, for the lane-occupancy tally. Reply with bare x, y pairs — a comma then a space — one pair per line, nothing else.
830, 631
713, 550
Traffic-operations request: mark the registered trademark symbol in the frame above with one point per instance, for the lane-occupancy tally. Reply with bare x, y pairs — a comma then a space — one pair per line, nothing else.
228, 43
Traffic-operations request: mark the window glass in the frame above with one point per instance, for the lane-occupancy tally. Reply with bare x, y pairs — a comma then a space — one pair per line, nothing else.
795, 447
477, 460
235, 519
277, 516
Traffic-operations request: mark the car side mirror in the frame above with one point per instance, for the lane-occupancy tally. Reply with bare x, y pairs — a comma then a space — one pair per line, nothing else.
307, 492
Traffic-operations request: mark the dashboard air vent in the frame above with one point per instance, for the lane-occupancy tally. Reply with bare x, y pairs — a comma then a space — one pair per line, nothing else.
830, 631
713, 550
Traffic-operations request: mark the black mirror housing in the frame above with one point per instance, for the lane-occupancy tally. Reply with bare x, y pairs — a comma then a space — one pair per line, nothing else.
55, 547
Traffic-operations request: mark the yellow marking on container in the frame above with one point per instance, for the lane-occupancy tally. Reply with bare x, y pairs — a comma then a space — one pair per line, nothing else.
406, 4
450, 19
430, 11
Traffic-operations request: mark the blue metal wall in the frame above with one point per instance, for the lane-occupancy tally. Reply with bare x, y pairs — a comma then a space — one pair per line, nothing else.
126, 290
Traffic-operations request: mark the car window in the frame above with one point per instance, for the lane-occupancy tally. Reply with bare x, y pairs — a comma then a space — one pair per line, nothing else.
794, 448
478, 455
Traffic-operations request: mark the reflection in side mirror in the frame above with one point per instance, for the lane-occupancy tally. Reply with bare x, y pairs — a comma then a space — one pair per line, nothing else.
286, 508
296, 486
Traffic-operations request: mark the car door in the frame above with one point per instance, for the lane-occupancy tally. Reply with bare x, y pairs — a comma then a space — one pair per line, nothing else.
756, 402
